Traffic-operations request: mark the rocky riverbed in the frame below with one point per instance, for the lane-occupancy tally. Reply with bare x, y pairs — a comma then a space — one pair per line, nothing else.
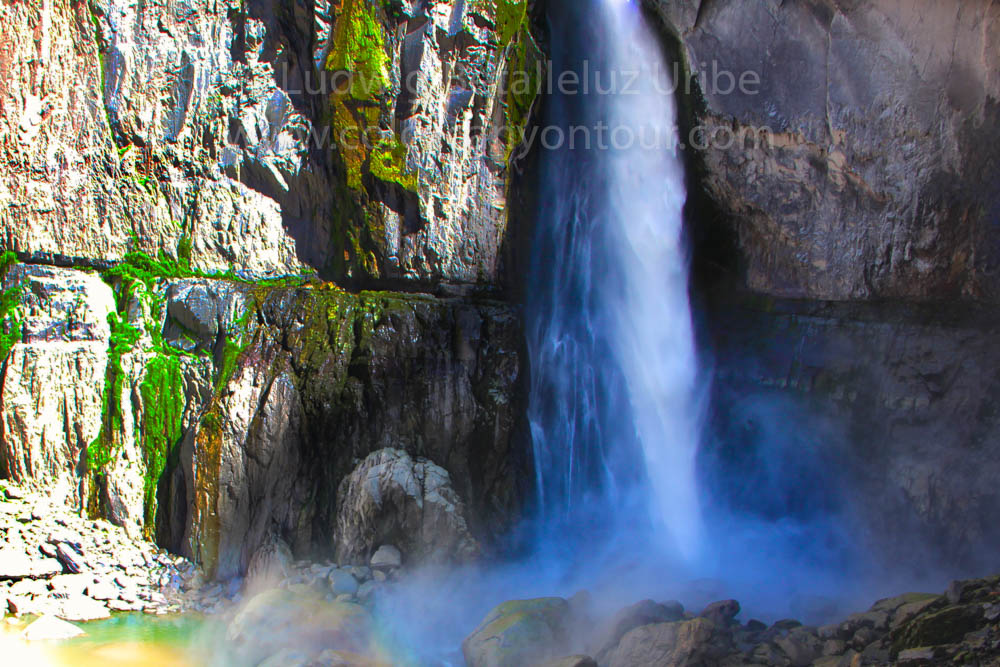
64, 568
959, 627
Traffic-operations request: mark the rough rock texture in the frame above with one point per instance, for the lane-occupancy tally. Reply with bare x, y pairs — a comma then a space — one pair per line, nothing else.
960, 627
164, 154
882, 417
877, 179
213, 413
319, 379
270, 563
683, 644
519, 632
641, 613
364, 140
55, 562
52, 381
392, 498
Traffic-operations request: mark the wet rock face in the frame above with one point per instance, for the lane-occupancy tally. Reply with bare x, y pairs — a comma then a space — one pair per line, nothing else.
323, 379
894, 406
884, 120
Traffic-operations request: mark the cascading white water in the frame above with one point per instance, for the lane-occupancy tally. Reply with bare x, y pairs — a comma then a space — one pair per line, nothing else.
612, 408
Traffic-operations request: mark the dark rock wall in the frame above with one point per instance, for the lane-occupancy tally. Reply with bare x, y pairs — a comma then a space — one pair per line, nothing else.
324, 379
883, 416
875, 172
845, 253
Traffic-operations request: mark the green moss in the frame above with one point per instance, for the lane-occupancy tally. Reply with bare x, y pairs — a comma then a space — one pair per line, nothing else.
162, 386
162, 391
509, 16
11, 325
388, 164
124, 337
358, 46
522, 87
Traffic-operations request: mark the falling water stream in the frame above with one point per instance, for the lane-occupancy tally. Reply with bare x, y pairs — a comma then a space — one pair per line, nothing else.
613, 414
614, 403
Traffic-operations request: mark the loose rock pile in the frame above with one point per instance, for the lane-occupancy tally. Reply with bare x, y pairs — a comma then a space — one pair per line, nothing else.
301, 613
960, 627
53, 562
272, 567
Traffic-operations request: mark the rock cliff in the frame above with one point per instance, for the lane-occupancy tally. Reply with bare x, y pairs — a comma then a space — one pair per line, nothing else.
178, 179
366, 140
844, 214
858, 159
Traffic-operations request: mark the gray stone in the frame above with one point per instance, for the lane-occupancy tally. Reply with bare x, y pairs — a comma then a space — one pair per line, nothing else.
66, 585
275, 620
50, 628
367, 591
642, 613
72, 560
82, 608
721, 613
103, 590
392, 496
680, 643
519, 632
386, 557
29, 587
16, 564
342, 582
801, 646
270, 563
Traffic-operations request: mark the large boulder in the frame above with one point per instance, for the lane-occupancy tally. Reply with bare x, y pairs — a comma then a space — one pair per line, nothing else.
270, 563
392, 497
680, 644
641, 613
519, 632
50, 628
278, 620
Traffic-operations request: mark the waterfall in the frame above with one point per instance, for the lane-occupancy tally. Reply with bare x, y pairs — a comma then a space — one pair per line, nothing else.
612, 408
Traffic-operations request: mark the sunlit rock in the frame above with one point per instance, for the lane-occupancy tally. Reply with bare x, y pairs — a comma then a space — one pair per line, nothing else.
393, 498
50, 628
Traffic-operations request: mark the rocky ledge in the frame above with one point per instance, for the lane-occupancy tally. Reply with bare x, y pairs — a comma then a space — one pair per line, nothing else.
55, 563
961, 626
